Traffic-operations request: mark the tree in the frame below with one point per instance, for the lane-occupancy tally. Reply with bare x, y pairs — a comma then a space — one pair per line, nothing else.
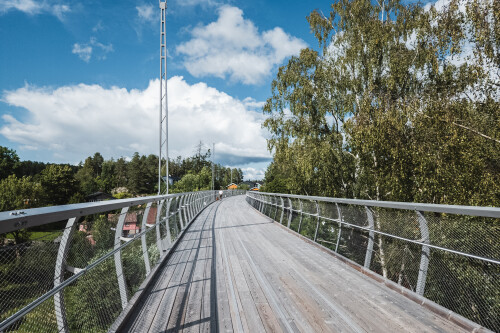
58, 184
19, 193
8, 162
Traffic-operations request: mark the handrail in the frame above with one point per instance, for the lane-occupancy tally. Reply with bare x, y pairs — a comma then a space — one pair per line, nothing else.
185, 210
423, 207
27, 218
441, 252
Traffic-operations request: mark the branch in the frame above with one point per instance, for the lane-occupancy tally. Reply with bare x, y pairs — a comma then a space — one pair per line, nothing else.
470, 129
477, 132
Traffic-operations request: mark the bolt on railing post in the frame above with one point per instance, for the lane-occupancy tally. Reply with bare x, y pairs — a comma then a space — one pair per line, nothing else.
371, 235
317, 223
158, 229
300, 221
339, 214
290, 216
143, 239
424, 258
62, 254
118, 257
282, 210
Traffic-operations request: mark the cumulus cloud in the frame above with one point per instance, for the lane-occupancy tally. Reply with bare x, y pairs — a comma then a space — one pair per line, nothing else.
77, 121
32, 7
85, 50
253, 173
233, 47
145, 13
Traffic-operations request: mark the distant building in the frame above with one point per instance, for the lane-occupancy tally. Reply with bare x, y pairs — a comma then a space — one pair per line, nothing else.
98, 196
232, 186
171, 179
130, 227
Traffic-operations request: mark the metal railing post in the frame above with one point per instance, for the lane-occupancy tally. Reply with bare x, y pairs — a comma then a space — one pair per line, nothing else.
276, 208
62, 254
179, 210
188, 208
371, 235
184, 210
339, 213
300, 221
290, 216
424, 258
158, 229
168, 237
318, 220
144, 245
118, 257
282, 210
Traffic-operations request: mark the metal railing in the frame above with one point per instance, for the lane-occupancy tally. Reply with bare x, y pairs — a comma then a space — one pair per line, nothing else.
447, 254
79, 265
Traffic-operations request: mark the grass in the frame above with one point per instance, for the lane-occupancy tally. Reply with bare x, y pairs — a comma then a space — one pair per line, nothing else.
46, 236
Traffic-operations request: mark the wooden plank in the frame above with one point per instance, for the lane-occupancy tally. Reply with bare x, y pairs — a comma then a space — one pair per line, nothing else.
209, 304
178, 312
143, 319
167, 302
237, 271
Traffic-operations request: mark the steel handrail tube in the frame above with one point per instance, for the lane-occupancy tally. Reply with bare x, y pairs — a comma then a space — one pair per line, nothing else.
473, 256
436, 208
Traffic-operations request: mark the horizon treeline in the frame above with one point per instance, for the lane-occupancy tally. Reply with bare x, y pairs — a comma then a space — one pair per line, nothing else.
29, 184
401, 103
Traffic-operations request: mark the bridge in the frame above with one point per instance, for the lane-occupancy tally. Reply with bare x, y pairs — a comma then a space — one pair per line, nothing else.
252, 262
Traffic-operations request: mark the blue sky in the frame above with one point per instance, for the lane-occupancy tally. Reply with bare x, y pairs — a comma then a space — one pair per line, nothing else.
81, 77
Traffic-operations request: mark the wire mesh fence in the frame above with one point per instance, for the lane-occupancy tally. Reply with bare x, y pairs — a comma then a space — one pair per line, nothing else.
448, 254
79, 271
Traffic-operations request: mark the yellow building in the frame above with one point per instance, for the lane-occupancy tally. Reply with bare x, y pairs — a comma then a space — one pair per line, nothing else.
232, 186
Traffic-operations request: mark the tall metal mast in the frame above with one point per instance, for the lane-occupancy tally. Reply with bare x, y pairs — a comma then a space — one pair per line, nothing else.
213, 166
163, 104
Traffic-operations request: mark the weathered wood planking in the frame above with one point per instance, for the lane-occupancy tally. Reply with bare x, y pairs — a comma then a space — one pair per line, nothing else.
236, 271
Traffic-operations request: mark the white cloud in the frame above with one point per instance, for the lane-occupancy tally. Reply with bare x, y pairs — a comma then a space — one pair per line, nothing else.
253, 173
98, 27
32, 7
146, 13
77, 121
233, 47
85, 50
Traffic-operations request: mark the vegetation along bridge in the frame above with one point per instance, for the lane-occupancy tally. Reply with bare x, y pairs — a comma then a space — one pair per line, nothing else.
252, 262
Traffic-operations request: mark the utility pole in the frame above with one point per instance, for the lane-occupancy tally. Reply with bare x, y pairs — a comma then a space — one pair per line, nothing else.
213, 166
163, 143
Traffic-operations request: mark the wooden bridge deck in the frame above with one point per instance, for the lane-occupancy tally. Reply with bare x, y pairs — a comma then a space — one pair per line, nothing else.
235, 270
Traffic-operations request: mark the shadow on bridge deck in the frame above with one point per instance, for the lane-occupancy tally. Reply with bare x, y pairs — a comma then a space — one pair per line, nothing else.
234, 270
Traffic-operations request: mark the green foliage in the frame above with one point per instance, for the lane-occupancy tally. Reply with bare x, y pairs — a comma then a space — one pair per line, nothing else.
8, 162
58, 184
194, 182
123, 195
103, 236
18, 193
384, 112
